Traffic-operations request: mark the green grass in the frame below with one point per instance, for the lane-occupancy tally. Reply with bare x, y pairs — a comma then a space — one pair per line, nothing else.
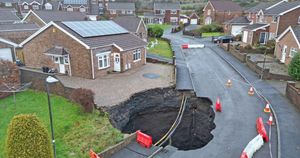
163, 48
163, 26
210, 34
76, 132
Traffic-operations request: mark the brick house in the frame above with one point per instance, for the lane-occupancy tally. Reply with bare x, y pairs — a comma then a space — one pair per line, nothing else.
8, 15
11, 35
255, 34
90, 7
8, 3
288, 44
170, 11
115, 9
219, 11
52, 5
71, 49
26, 5
42, 17
234, 26
133, 24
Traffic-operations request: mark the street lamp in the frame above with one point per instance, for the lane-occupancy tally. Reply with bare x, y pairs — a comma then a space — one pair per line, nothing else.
49, 80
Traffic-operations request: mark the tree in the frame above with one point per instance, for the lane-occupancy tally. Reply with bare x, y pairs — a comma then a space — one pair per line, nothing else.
294, 67
27, 138
84, 97
155, 31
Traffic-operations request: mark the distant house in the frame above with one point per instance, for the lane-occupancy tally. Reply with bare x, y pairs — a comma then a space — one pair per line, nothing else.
120, 9
52, 5
288, 44
42, 17
26, 5
8, 3
77, 51
219, 11
75, 6
234, 26
8, 15
255, 34
194, 19
151, 18
11, 35
133, 24
184, 19
170, 11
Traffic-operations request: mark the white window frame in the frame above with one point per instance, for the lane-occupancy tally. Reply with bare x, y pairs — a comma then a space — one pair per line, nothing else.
162, 12
209, 12
137, 55
274, 19
101, 57
8, 4
25, 6
69, 8
35, 6
173, 12
66, 60
123, 11
48, 6
173, 19
293, 52
113, 12
82, 9
129, 12
56, 59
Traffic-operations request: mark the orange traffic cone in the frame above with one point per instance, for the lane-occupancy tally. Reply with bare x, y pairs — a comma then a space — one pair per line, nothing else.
251, 91
270, 121
267, 108
218, 105
229, 84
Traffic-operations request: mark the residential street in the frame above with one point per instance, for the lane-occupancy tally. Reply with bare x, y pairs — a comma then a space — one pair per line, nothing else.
235, 125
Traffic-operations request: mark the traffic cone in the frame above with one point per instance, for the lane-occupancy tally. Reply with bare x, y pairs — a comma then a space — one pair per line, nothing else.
251, 91
270, 121
267, 108
229, 84
218, 105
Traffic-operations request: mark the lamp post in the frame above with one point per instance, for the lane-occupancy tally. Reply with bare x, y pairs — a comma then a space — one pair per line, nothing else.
49, 80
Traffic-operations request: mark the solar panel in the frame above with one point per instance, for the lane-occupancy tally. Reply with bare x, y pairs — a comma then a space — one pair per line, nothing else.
95, 28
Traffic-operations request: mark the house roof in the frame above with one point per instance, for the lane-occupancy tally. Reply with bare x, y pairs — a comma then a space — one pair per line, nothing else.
51, 15
281, 8
8, 15
238, 20
194, 15
30, 1
120, 6
75, 2
256, 26
124, 41
57, 50
18, 27
152, 15
225, 5
167, 6
295, 30
130, 23
12, 1
258, 7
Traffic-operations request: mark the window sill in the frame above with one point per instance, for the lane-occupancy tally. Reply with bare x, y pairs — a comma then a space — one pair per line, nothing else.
136, 60
102, 68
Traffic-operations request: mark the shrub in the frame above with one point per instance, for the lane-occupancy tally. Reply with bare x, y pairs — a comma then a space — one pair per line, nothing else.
27, 138
85, 98
211, 28
9, 75
238, 37
248, 47
294, 67
155, 31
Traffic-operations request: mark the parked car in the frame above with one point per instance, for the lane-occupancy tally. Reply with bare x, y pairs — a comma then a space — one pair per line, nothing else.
223, 39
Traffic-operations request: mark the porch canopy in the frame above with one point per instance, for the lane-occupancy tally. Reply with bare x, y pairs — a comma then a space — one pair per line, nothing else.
57, 51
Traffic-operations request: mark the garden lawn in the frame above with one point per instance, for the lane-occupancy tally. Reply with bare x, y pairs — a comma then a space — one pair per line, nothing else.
75, 132
210, 34
163, 26
162, 48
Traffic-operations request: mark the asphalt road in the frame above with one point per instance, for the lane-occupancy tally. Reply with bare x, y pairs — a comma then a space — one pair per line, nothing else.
235, 126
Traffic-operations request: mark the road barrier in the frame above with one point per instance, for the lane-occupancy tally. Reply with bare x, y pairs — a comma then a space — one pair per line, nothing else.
254, 145
261, 129
189, 46
93, 154
144, 139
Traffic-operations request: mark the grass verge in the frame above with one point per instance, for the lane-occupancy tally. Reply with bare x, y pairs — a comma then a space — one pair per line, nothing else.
163, 48
75, 132
210, 34
163, 26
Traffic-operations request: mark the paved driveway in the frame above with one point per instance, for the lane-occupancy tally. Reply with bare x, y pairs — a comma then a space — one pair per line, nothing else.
115, 88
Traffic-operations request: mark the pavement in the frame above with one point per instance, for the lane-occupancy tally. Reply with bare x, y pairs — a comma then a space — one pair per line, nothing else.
235, 126
115, 88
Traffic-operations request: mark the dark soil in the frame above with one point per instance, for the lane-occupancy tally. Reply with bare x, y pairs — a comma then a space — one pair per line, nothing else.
153, 112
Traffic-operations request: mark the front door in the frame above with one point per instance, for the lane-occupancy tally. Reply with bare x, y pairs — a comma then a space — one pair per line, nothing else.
245, 36
283, 54
263, 37
208, 20
62, 68
117, 62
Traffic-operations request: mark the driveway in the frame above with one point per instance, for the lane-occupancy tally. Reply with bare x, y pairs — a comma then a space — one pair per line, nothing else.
115, 88
235, 126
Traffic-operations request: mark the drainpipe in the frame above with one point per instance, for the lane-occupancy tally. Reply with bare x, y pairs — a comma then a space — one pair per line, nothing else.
70, 70
92, 62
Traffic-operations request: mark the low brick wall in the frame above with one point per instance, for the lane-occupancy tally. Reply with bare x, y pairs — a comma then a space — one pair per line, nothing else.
293, 93
37, 78
191, 33
240, 56
114, 149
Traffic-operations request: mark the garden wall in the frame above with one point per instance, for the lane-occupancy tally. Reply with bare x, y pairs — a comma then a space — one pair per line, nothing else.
293, 93
192, 33
240, 56
37, 78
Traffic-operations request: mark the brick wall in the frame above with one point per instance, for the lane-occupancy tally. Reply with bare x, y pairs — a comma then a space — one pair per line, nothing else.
142, 32
293, 93
127, 58
33, 19
290, 42
168, 16
212, 14
80, 57
221, 17
287, 20
103, 72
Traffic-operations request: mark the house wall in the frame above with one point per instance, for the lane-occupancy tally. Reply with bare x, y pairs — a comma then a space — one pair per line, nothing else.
273, 25
103, 72
80, 58
212, 15
118, 13
75, 8
290, 42
288, 19
168, 16
33, 19
127, 59
221, 17
29, 8
142, 32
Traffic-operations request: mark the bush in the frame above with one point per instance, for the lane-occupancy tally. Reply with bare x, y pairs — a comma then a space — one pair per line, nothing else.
211, 28
294, 67
248, 47
156, 32
85, 98
27, 138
